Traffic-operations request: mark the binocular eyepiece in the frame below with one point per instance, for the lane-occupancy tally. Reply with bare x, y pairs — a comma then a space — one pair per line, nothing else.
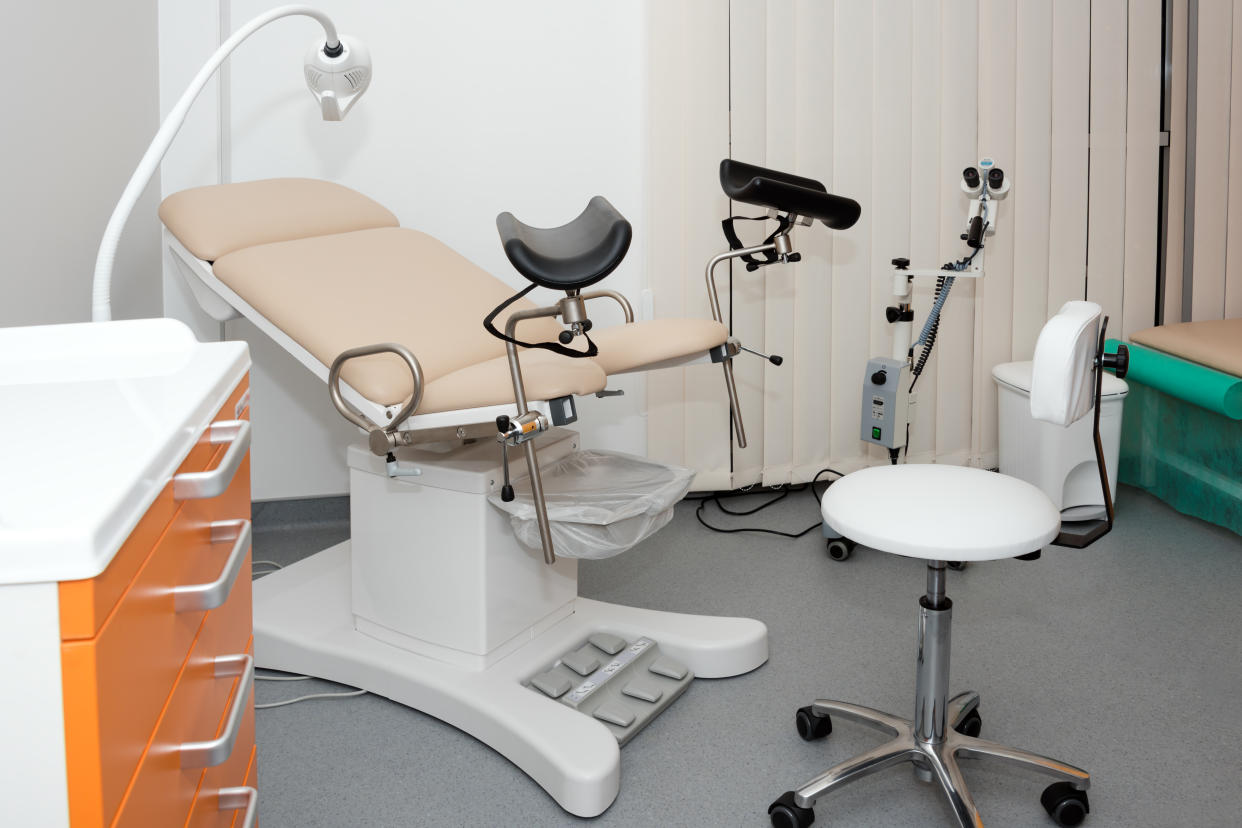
973, 181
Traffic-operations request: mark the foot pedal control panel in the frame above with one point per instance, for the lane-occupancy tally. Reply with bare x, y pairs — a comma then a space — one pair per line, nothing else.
624, 684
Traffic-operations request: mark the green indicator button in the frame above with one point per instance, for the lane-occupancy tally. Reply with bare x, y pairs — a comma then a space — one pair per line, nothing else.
875, 433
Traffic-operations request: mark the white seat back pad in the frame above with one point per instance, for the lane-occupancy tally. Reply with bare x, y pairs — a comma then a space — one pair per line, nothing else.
1063, 372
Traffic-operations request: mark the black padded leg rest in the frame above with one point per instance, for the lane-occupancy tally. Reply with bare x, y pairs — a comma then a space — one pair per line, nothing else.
787, 193
573, 255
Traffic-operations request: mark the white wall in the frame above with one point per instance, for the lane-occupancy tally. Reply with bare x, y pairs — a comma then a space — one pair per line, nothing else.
80, 108
475, 108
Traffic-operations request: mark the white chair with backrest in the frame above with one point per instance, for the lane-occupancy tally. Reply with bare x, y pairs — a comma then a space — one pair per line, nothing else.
941, 513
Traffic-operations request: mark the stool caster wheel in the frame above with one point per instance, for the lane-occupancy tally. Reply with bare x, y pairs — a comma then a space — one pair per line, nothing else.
958, 565
785, 813
1066, 804
812, 725
839, 549
970, 726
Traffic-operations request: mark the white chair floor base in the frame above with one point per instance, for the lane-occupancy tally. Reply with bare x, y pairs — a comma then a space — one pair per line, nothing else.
933, 761
303, 623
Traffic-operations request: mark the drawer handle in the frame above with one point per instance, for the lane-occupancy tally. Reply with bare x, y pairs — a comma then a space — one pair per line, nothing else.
212, 483
195, 597
212, 753
234, 799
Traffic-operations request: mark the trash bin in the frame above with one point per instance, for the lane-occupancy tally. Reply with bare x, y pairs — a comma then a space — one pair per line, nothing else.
1060, 461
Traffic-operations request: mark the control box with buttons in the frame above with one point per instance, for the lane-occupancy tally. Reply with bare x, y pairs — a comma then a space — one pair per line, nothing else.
624, 684
886, 402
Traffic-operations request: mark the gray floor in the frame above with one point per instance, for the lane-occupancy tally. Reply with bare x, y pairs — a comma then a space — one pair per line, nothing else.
1125, 659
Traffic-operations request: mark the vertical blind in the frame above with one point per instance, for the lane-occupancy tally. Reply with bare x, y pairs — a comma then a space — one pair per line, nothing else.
1203, 259
886, 102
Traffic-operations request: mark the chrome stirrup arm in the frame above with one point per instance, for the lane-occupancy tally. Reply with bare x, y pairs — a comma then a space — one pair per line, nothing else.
781, 245
528, 445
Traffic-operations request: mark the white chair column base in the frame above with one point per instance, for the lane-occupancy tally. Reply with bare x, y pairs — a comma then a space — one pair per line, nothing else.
303, 623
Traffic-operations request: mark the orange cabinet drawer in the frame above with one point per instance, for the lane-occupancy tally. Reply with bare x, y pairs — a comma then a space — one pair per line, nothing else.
208, 812
85, 604
202, 703
116, 684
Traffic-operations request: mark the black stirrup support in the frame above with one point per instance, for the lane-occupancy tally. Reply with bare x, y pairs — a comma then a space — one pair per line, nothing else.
787, 194
571, 256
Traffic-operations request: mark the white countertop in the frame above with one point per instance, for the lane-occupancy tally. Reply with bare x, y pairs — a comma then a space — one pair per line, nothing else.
94, 420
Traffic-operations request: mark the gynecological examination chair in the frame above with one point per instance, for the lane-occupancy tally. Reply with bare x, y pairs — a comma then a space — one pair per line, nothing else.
433, 602
967, 514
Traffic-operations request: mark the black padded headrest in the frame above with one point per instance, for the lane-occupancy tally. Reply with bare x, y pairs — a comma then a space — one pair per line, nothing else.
573, 255
787, 193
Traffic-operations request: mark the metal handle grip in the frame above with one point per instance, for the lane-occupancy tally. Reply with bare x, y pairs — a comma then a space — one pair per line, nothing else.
626, 308
211, 753
350, 412
234, 799
213, 482
208, 596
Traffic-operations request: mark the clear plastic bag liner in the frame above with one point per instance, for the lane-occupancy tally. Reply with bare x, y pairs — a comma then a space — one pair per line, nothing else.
600, 503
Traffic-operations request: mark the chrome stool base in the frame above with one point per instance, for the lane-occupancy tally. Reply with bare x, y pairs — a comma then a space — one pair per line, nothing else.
931, 741
932, 760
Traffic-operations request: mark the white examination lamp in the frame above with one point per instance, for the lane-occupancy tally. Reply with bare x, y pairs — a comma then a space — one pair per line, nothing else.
337, 70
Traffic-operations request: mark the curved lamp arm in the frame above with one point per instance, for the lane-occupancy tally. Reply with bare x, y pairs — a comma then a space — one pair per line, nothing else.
101, 293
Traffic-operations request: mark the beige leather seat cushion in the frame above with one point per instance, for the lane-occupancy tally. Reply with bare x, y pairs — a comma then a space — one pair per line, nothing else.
216, 220
332, 293
1216, 343
640, 345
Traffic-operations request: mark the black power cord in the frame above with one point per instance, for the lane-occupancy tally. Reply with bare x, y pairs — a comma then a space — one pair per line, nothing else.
717, 497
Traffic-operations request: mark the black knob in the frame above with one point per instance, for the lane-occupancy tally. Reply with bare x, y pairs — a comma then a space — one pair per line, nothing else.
565, 337
879, 377
901, 264
971, 176
974, 237
506, 493
996, 178
1119, 362
892, 314
776, 360
502, 424
587, 325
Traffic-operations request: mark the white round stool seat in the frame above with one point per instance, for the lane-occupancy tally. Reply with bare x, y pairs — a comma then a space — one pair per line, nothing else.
941, 513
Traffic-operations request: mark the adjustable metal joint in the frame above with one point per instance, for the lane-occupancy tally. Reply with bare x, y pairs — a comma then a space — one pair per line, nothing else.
728, 349
514, 431
572, 309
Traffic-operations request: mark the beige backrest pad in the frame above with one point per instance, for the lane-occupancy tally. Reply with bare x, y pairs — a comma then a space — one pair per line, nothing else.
214, 221
1216, 343
332, 293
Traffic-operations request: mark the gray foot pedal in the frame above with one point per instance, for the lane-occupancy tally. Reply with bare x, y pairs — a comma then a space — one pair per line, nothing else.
609, 643
622, 684
665, 666
552, 684
583, 661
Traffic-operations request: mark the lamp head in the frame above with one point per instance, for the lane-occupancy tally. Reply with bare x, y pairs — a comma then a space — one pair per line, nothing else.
337, 76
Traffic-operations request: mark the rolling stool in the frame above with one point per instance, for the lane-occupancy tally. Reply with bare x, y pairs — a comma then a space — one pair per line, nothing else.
951, 512
958, 513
